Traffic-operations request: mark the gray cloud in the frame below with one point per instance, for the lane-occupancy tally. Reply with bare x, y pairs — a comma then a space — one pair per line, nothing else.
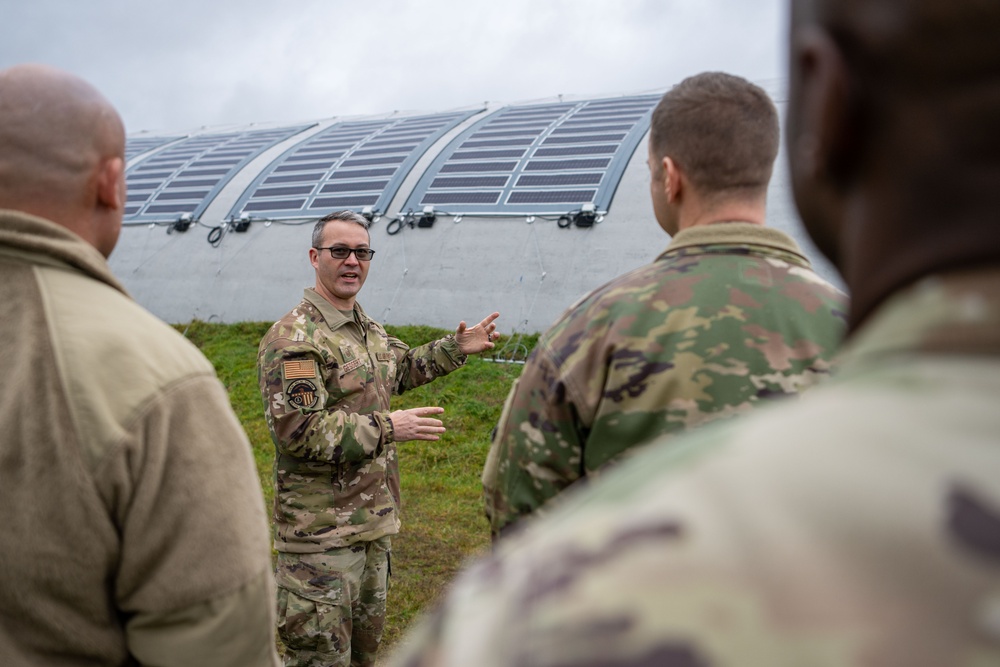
173, 66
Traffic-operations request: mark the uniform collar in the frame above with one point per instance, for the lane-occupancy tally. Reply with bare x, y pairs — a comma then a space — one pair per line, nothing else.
45, 242
742, 233
334, 318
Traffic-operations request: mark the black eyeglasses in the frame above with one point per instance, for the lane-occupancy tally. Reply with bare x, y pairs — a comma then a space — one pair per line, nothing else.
342, 252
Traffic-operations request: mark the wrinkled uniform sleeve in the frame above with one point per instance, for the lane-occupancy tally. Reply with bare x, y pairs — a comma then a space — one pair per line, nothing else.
538, 443
194, 576
491, 468
423, 364
335, 414
306, 420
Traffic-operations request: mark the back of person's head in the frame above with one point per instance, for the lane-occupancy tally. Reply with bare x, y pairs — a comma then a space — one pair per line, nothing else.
924, 78
721, 130
62, 149
893, 136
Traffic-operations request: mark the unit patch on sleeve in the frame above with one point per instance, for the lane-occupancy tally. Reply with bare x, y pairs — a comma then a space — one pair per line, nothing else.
298, 369
301, 394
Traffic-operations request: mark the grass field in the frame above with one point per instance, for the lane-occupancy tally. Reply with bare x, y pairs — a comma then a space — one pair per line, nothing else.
443, 521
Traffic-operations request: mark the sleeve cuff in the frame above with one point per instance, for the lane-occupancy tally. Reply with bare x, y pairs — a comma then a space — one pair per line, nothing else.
450, 347
388, 429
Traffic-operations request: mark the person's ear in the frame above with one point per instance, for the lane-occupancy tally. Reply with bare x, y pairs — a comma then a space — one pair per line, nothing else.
314, 257
824, 123
672, 179
110, 183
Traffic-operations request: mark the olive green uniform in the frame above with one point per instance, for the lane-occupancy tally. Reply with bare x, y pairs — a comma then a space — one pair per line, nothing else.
135, 530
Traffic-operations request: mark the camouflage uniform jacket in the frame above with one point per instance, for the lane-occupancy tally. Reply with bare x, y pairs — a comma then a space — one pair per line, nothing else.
856, 527
728, 315
326, 380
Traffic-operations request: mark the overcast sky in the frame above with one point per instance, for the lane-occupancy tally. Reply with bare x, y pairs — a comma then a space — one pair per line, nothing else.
181, 64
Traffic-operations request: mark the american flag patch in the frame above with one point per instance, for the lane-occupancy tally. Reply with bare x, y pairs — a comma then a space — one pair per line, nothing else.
298, 370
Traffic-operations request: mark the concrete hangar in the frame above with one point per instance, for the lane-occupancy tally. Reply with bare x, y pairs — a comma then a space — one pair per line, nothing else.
520, 207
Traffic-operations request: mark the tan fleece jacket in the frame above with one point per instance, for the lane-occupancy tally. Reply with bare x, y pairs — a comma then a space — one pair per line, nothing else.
134, 528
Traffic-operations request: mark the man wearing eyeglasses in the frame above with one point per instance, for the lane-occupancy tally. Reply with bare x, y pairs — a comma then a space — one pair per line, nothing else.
326, 373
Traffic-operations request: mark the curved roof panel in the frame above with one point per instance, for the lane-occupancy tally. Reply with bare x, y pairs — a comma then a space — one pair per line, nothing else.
537, 159
350, 165
138, 145
184, 177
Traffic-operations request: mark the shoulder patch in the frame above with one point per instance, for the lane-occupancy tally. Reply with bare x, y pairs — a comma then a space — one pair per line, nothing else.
297, 370
301, 394
383, 356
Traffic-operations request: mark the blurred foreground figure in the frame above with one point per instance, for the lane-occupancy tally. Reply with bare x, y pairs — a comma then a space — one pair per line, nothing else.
860, 525
134, 525
730, 315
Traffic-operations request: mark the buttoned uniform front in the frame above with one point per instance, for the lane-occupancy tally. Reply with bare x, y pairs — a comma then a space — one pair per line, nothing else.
326, 379
729, 315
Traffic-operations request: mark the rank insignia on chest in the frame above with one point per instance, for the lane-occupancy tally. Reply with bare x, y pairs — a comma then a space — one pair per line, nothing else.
298, 370
301, 394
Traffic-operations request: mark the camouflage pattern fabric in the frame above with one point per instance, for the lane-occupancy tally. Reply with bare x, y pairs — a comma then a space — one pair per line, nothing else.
331, 606
326, 380
858, 526
730, 314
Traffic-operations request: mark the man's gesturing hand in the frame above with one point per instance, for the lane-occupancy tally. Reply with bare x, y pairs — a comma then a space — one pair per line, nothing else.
414, 424
473, 340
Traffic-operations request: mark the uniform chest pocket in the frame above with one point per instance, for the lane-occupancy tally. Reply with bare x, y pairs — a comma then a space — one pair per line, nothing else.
353, 376
386, 361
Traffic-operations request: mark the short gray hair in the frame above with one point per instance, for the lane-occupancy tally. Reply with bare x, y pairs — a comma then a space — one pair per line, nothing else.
346, 216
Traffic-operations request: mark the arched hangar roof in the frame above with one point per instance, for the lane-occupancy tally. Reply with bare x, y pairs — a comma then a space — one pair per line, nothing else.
520, 208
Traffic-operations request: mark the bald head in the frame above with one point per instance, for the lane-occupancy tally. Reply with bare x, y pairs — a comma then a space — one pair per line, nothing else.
893, 139
61, 152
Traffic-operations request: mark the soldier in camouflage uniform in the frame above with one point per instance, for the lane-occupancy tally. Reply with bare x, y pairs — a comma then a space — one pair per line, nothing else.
326, 372
730, 314
860, 525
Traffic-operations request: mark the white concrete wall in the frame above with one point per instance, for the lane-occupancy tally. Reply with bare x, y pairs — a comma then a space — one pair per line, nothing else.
436, 276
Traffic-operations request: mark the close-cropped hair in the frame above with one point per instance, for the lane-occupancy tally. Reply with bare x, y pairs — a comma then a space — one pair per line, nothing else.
721, 130
347, 216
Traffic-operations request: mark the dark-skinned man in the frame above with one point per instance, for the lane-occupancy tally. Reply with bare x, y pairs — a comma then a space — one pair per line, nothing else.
859, 526
135, 531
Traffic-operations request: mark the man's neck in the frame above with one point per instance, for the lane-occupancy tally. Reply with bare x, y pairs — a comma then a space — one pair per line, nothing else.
339, 304
699, 213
